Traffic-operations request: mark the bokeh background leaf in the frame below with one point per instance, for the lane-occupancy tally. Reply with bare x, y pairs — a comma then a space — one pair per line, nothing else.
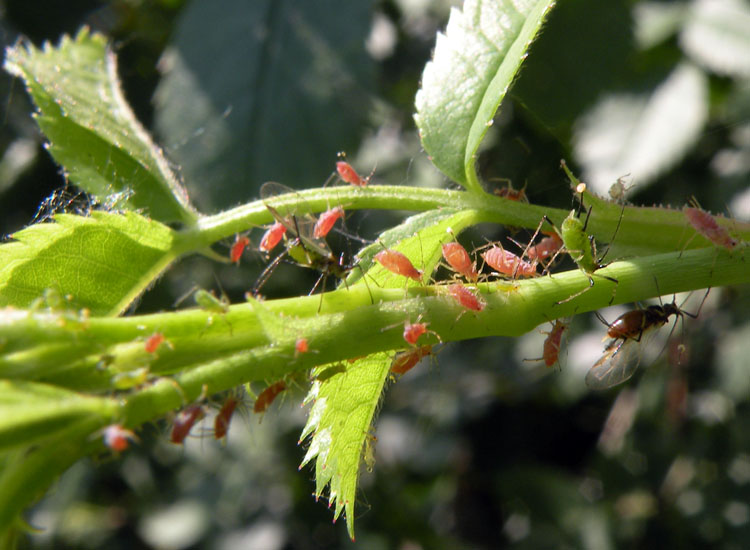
237, 108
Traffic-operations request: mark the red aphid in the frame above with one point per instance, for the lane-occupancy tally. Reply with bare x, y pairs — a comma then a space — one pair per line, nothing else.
153, 342
465, 297
460, 261
511, 194
267, 396
184, 422
395, 262
300, 346
349, 174
413, 332
705, 224
238, 248
326, 221
406, 360
224, 417
272, 237
552, 343
117, 438
507, 263
546, 248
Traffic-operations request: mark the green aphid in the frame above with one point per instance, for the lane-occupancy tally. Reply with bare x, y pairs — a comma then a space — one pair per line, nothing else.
52, 300
301, 252
130, 379
210, 303
579, 245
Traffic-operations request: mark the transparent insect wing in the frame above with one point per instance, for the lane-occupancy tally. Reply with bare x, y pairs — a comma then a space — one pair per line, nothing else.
617, 365
621, 359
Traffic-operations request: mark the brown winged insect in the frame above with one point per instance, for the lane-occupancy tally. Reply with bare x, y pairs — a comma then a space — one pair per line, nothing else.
627, 334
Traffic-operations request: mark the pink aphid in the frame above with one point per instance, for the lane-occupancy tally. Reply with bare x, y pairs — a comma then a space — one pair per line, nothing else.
349, 174
184, 422
507, 263
272, 237
465, 297
546, 248
301, 346
153, 342
460, 261
395, 262
406, 360
326, 221
224, 417
117, 438
551, 350
238, 248
412, 332
705, 224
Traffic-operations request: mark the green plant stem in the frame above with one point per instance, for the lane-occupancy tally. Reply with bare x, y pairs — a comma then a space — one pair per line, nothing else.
510, 311
642, 229
350, 325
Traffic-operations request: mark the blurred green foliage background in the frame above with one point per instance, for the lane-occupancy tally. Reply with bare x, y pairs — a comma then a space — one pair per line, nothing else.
479, 449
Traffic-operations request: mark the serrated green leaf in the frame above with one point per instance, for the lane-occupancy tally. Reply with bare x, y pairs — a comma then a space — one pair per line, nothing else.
393, 237
92, 131
642, 135
31, 411
419, 237
427, 232
103, 262
717, 35
287, 69
345, 400
343, 408
474, 64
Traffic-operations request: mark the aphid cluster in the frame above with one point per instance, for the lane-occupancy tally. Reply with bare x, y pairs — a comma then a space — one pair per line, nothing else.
304, 235
305, 244
305, 238
117, 438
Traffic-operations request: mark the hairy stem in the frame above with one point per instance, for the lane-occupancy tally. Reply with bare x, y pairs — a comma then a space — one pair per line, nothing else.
641, 229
